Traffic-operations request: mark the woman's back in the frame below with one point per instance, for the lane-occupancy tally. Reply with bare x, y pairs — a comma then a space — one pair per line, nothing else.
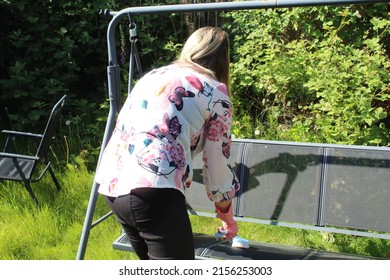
161, 127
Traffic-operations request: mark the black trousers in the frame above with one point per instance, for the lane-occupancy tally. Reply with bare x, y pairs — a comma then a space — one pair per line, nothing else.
156, 222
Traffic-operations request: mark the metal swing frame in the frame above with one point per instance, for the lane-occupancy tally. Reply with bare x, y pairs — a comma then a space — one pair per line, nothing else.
113, 69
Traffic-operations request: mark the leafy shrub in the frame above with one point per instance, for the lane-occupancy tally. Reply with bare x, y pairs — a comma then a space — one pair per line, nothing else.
316, 74
56, 48
321, 73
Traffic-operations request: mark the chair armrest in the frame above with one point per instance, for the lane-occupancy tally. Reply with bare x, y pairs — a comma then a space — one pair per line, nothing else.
19, 133
10, 155
36, 138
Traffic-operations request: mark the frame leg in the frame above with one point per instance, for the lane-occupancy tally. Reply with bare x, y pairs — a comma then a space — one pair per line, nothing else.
54, 179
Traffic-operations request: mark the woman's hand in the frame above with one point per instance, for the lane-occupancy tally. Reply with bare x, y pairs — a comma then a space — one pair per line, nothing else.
229, 225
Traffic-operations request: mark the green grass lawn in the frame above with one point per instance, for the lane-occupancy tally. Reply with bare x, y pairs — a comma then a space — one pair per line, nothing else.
52, 231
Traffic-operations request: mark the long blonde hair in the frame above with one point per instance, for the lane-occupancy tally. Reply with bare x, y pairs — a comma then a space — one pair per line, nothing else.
207, 50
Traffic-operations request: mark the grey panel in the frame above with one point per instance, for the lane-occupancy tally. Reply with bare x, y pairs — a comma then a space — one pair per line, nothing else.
196, 194
358, 189
283, 182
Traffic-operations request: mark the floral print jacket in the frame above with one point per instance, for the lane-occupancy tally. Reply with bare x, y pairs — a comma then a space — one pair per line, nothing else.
172, 114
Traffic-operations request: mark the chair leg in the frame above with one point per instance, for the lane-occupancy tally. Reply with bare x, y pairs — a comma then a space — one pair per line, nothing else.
26, 182
54, 179
30, 191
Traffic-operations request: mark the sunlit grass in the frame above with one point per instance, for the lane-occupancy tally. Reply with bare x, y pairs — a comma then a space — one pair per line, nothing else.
52, 231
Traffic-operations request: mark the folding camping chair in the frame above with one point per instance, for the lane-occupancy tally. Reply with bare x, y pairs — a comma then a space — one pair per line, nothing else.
21, 167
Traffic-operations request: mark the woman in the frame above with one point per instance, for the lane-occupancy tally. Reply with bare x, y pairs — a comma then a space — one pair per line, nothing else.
173, 113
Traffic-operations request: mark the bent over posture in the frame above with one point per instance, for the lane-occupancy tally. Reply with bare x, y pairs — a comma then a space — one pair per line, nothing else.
173, 113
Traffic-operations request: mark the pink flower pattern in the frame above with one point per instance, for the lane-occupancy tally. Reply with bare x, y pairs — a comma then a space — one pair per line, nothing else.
215, 129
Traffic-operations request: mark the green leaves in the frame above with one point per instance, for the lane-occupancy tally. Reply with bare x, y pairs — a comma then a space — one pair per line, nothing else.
323, 72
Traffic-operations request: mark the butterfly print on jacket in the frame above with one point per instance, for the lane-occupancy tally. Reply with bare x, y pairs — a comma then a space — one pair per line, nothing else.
161, 157
178, 95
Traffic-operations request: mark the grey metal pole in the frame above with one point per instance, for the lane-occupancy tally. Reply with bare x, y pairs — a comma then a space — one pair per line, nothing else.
242, 5
220, 6
113, 67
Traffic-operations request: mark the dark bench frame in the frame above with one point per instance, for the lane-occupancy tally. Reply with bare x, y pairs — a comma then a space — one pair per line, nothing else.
114, 91
316, 174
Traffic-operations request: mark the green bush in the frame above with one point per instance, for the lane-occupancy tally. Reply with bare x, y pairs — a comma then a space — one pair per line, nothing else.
55, 48
318, 74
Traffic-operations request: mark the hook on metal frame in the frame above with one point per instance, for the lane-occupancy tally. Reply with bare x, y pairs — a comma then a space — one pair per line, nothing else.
132, 30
